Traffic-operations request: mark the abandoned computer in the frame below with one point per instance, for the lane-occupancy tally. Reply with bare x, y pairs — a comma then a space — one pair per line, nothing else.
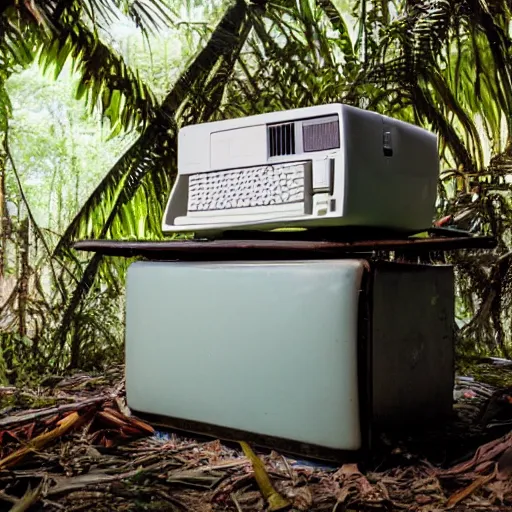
299, 344
329, 165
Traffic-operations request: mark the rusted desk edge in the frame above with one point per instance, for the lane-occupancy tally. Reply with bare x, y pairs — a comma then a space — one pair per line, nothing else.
180, 248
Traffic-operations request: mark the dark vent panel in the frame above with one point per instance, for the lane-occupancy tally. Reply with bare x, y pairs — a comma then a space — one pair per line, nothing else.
321, 134
281, 139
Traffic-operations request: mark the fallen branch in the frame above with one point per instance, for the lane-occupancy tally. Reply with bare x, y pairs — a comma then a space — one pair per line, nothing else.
48, 411
456, 498
65, 484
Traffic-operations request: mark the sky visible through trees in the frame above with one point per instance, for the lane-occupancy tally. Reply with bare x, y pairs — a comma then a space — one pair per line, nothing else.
61, 151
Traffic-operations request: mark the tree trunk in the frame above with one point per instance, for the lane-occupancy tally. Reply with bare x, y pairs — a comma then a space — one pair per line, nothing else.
4, 221
24, 276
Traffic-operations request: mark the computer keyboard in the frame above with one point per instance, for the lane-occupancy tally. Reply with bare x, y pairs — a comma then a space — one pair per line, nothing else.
245, 188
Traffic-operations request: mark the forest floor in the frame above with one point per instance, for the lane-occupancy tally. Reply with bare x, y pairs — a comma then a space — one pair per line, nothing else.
72, 444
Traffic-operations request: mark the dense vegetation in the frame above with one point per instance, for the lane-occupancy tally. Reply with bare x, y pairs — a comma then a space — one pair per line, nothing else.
88, 148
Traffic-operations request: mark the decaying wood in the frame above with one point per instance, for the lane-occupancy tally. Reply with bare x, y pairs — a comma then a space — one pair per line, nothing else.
49, 411
470, 489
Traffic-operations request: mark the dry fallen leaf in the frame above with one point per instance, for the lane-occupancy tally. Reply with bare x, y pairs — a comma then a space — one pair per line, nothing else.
274, 499
141, 425
505, 465
29, 498
348, 470
485, 453
302, 498
64, 426
423, 499
500, 490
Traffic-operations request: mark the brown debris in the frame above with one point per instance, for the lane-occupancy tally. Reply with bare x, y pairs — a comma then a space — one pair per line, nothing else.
470, 489
505, 465
39, 442
88, 452
482, 458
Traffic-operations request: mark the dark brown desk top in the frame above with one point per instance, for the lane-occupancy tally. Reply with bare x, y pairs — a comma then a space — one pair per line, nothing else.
243, 249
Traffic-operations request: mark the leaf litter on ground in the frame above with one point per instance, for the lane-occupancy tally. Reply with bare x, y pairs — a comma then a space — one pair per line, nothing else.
86, 451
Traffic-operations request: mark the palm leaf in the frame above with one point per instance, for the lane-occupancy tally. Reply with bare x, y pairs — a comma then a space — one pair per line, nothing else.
61, 31
153, 151
104, 77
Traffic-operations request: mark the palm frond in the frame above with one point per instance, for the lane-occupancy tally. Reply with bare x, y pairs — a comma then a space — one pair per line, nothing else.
154, 151
148, 15
104, 78
155, 148
415, 52
16, 46
60, 31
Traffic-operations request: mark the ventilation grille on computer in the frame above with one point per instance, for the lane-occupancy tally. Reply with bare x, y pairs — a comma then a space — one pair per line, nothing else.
321, 134
281, 139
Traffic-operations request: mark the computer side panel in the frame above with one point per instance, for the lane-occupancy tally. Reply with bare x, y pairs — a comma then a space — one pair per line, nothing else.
390, 172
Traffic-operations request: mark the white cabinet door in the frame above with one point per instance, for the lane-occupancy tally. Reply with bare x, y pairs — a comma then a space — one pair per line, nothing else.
265, 347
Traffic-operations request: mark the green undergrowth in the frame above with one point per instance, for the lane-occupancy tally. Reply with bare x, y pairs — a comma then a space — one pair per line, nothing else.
497, 376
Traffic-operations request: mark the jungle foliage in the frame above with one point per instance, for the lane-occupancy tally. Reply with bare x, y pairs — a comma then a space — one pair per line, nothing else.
438, 63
